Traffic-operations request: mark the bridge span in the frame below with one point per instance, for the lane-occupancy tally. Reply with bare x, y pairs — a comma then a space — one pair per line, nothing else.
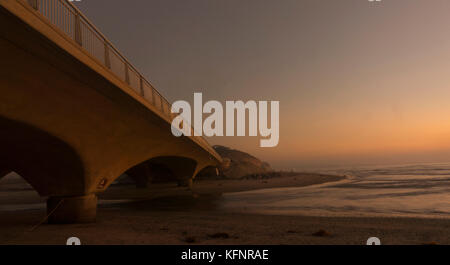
75, 114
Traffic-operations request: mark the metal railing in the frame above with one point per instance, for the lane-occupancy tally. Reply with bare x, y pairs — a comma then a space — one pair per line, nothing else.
68, 18
65, 16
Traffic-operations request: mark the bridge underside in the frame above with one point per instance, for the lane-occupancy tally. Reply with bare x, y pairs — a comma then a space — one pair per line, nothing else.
162, 169
70, 132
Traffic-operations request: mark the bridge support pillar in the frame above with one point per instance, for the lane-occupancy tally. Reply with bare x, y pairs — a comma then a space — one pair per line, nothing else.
70, 210
142, 175
187, 182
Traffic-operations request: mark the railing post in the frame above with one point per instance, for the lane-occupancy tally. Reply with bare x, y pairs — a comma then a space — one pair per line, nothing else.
78, 37
34, 4
107, 59
141, 85
127, 74
153, 97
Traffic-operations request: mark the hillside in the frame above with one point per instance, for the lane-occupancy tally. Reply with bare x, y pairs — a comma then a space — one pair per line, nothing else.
236, 164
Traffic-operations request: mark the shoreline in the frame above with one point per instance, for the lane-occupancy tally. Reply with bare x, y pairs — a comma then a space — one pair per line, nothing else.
168, 215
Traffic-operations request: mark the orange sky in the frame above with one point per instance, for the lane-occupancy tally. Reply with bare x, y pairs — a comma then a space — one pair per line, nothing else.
358, 82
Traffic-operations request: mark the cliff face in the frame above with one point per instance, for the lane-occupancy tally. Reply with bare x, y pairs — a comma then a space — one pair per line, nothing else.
236, 164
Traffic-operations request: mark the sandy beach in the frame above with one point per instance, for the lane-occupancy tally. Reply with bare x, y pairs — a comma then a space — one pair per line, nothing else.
166, 214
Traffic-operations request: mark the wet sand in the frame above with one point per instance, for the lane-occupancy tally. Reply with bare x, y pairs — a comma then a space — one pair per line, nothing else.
165, 214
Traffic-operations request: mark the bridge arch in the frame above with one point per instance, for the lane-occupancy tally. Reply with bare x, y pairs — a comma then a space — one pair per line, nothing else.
50, 165
163, 168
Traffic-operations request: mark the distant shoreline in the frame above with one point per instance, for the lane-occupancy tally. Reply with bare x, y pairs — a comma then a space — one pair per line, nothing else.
247, 184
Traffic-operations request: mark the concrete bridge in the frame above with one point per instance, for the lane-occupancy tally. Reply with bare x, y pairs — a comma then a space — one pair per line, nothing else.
75, 114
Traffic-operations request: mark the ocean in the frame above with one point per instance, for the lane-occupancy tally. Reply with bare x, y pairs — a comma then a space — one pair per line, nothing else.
420, 190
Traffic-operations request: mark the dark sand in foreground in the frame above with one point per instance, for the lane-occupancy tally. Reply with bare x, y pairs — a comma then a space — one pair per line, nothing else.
165, 214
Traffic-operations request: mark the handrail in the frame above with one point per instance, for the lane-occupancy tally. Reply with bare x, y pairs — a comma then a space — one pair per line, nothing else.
67, 17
